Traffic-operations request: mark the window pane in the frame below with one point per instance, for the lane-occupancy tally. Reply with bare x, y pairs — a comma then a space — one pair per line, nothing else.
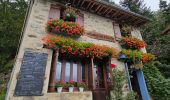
75, 72
58, 71
67, 72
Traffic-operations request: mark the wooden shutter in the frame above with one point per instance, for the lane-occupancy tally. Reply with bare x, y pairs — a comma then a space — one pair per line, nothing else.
80, 19
54, 12
117, 30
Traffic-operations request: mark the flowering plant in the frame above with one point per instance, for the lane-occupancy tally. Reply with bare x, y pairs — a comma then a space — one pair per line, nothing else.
69, 13
70, 83
112, 66
147, 57
132, 43
81, 49
61, 27
82, 85
126, 29
136, 56
59, 84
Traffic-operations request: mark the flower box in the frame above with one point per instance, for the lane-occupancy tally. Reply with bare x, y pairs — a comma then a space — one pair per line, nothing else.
65, 28
132, 43
79, 49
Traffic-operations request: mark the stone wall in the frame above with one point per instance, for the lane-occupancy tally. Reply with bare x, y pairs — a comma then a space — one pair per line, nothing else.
32, 38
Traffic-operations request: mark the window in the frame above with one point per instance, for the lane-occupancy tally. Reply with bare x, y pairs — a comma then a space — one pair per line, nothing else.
70, 70
57, 12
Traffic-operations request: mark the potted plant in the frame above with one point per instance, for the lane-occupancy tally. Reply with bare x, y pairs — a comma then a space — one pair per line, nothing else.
70, 85
59, 86
81, 86
69, 14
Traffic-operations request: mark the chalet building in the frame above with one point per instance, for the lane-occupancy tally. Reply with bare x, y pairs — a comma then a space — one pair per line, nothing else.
97, 25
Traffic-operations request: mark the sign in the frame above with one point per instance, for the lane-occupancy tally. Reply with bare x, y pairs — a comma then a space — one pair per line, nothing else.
31, 76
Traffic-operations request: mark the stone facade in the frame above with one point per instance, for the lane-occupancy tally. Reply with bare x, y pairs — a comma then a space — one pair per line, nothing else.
35, 29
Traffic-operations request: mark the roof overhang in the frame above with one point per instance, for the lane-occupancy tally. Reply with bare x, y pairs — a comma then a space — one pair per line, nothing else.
108, 10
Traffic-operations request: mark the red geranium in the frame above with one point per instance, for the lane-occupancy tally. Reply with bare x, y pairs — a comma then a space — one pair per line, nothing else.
112, 66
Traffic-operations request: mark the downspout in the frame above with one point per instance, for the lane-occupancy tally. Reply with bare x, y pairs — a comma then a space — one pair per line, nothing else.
31, 2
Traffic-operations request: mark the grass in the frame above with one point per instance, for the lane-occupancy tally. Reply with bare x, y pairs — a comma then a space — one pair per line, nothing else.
2, 95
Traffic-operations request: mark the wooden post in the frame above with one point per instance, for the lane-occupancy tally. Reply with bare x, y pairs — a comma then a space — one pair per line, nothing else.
79, 77
105, 78
53, 71
86, 73
63, 69
71, 70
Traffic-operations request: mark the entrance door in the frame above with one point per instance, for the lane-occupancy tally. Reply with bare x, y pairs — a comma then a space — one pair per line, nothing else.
99, 80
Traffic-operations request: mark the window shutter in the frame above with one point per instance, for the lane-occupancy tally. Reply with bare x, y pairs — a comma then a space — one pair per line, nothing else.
117, 30
80, 19
54, 12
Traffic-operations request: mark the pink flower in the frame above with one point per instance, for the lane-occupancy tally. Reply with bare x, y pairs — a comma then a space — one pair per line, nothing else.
71, 81
56, 29
112, 66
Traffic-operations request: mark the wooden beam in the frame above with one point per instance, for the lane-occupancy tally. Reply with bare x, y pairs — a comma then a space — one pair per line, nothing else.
82, 3
97, 8
100, 9
106, 10
92, 5
78, 3
89, 5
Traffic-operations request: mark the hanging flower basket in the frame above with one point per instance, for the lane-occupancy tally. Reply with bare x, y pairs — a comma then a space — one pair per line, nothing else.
64, 28
132, 43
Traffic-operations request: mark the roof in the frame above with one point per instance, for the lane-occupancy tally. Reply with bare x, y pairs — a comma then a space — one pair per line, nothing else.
167, 30
108, 10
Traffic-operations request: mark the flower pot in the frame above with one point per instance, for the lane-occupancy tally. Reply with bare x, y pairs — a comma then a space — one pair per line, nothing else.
71, 89
59, 89
81, 89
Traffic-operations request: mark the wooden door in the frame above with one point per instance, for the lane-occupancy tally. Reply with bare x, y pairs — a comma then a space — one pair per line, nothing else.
100, 84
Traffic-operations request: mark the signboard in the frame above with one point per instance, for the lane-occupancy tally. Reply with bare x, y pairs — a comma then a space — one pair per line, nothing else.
31, 76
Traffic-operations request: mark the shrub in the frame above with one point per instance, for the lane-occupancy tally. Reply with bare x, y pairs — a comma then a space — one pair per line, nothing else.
158, 86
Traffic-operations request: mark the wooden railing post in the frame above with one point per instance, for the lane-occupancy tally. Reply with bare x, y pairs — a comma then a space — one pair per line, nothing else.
53, 71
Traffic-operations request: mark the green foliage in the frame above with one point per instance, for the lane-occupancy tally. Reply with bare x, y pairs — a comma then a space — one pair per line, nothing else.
2, 95
12, 16
118, 82
131, 95
158, 86
158, 43
164, 69
136, 6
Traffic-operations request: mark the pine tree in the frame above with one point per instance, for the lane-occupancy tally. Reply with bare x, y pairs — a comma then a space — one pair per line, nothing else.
136, 6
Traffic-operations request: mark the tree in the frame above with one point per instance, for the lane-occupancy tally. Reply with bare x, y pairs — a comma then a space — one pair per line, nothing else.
136, 6
11, 22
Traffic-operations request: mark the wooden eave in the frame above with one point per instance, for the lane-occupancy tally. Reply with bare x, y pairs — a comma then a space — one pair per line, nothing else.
108, 10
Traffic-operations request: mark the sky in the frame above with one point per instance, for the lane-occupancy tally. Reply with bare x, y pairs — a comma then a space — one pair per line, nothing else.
153, 4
